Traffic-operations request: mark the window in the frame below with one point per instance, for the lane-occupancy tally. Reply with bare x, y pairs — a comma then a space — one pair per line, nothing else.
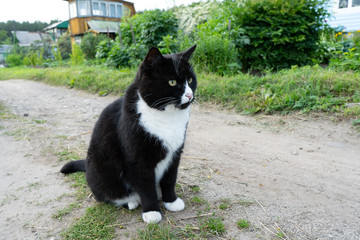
118, 11
96, 8
106, 9
84, 7
348, 4
103, 11
355, 3
112, 10
343, 3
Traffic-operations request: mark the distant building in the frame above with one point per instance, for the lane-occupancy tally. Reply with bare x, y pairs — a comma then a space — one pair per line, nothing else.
346, 13
98, 16
27, 39
57, 29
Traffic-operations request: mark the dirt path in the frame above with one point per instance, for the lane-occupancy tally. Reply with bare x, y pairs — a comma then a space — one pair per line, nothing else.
295, 174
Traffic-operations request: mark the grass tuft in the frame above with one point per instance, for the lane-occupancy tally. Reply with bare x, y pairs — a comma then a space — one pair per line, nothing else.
243, 224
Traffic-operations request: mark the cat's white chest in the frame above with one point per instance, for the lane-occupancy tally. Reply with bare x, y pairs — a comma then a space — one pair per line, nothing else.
169, 126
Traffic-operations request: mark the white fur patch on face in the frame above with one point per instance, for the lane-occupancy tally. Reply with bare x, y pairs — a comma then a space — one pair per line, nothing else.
152, 217
188, 94
175, 206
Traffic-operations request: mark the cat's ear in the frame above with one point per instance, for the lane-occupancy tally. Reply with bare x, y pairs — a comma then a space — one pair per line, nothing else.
187, 53
153, 56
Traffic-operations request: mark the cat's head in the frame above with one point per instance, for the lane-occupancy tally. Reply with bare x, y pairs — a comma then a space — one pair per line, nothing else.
167, 79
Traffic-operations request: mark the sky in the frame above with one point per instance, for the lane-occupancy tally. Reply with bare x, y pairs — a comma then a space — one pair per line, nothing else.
47, 10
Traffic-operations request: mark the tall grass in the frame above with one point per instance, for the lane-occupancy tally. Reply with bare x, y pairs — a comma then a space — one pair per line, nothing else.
306, 89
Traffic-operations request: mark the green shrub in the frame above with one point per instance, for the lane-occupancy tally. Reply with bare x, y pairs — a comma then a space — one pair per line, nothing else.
282, 33
103, 49
89, 43
14, 60
349, 60
125, 56
34, 58
64, 43
149, 27
118, 56
216, 54
76, 55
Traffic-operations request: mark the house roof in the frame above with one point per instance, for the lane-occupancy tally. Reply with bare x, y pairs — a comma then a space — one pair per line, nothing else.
61, 25
27, 38
103, 26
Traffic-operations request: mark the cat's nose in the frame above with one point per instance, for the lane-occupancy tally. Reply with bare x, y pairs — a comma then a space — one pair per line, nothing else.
189, 95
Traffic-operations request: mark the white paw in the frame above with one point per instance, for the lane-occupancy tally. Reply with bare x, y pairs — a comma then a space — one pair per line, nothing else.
175, 206
132, 205
151, 217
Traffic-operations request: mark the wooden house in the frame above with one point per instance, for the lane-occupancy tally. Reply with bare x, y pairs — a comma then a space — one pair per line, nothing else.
346, 14
99, 16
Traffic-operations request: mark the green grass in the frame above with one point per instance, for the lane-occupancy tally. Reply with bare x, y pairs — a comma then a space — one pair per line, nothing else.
97, 223
155, 231
305, 89
243, 224
213, 225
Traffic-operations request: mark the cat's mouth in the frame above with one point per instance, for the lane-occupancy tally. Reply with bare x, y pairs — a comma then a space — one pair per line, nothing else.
185, 105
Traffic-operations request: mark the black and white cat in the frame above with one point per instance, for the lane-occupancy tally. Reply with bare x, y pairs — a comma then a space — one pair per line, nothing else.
136, 144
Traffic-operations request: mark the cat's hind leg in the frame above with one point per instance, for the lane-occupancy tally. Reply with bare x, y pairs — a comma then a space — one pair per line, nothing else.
130, 202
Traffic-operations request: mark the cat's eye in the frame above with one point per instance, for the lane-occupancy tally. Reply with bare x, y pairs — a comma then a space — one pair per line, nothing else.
190, 80
172, 83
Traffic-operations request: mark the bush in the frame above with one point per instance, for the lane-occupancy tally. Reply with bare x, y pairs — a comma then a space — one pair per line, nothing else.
282, 33
89, 43
103, 49
76, 55
149, 27
34, 58
216, 54
126, 56
349, 60
14, 60
64, 43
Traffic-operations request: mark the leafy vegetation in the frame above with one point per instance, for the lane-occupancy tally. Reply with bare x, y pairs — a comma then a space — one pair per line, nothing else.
282, 33
300, 89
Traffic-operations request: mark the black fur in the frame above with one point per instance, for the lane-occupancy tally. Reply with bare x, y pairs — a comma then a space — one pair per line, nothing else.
122, 155
74, 166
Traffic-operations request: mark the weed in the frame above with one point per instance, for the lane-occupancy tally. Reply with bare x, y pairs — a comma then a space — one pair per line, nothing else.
195, 188
198, 200
155, 231
214, 225
224, 204
242, 224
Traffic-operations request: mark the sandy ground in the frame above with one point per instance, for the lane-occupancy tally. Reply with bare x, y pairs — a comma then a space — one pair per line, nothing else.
294, 174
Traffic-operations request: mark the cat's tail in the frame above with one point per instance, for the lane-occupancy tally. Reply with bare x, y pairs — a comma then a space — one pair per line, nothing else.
74, 166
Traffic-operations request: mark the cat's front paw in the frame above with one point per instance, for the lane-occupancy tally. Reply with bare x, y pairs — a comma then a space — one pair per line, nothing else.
175, 206
151, 217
